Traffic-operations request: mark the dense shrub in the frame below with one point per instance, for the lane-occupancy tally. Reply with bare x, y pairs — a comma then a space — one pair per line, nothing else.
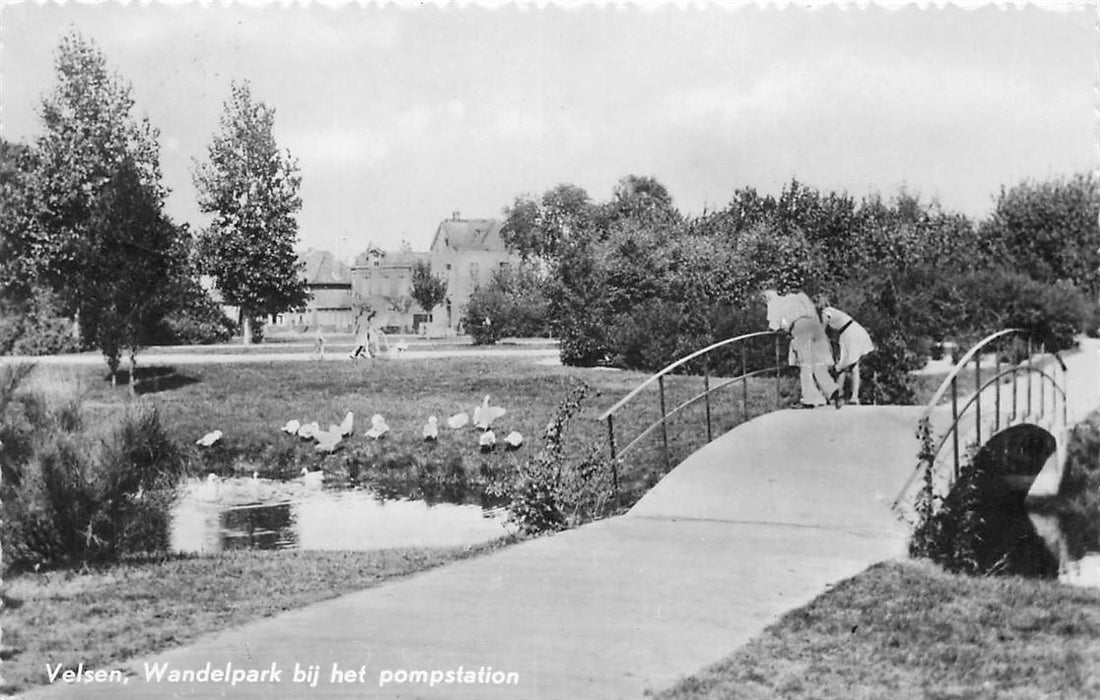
485, 316
70, 497
36, 327
656, 333
200, 322
512, 305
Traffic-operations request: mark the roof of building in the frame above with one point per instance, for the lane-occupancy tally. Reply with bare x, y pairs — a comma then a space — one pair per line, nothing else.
322, 267
469, 234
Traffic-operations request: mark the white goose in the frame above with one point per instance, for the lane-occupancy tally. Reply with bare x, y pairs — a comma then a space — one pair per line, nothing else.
487, 441
378, 427
484, 415
458, 420
431, 429
209, 439
513, 440
347, 424
292, 426
327, 441
309, 430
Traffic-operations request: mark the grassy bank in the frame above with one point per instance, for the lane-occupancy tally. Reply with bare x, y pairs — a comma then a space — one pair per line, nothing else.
104, 617
249, 403
908, 630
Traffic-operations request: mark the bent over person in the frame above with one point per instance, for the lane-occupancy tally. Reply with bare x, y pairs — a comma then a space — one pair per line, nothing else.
855, 342
809, 349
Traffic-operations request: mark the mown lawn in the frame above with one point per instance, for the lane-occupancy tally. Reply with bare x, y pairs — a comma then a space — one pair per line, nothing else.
106, 616
908, 630
250, 402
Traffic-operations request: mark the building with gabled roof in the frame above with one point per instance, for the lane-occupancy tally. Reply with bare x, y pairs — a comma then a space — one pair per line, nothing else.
331, 304
465, 253
382, 282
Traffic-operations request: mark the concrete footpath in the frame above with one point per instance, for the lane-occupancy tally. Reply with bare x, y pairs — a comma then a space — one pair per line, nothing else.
760, 521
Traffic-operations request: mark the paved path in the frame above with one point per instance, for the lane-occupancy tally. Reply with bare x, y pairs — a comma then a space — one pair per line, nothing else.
193, 357
760, 521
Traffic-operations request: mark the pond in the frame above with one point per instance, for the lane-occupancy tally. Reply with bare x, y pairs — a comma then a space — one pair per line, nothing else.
240, 513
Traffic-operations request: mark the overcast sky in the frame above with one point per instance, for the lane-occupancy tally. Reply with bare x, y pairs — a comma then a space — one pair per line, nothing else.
400, 116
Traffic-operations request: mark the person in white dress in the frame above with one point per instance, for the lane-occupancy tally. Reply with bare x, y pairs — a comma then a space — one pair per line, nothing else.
854, 341
809, 348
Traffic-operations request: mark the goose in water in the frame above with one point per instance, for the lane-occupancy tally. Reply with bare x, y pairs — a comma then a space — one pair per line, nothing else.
484, 415
513, 440
458, 420
431, 429
209, 439
487, 441
378, 427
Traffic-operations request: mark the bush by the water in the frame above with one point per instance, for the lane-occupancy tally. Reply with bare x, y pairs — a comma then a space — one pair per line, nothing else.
74, 497
552, 492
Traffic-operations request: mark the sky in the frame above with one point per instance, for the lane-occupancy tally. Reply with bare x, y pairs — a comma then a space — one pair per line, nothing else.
401, 115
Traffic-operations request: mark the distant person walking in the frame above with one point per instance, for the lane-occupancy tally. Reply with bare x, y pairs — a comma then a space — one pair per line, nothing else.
363, 337
809, 349
319, 343
854, 341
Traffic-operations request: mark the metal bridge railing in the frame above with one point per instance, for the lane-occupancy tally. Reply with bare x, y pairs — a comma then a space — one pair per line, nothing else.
1044, 403
703, 356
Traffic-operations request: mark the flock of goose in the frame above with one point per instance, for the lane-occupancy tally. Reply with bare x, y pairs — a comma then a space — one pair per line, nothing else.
329, 440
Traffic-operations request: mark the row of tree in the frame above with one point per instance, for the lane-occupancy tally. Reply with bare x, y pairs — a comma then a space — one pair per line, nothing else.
84, 234
634, 283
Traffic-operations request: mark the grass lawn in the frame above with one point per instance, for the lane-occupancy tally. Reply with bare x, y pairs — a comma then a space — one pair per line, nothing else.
908, 630
250, 402
107, 616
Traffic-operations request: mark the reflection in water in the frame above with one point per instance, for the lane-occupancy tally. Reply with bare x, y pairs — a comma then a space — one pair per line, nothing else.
264, 514
1075, 565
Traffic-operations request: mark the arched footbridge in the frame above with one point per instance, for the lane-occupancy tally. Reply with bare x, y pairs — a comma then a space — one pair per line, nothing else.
862, 468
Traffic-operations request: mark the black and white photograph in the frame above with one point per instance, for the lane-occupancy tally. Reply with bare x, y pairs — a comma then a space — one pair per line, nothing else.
549, 350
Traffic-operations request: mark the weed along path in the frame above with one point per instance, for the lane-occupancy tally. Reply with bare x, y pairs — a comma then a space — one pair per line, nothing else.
760, 521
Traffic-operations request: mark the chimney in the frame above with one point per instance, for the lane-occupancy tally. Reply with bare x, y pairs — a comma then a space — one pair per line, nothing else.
454, 216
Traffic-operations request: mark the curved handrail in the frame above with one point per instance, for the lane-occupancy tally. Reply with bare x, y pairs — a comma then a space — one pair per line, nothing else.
974, 399
961, 365
976, 395
691, 402
687, 358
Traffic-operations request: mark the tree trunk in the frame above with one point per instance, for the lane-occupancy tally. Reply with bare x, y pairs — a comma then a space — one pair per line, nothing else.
246, 328
133, 363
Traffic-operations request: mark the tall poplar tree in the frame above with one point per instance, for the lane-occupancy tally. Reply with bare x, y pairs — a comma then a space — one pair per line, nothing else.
96, 232
251, 188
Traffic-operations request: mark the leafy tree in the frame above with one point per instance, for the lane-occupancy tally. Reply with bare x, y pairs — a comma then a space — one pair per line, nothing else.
579, 308
1049, 230
642, 198
17, 269
427, 289
96, 232
537, 229
514, 303
251, 187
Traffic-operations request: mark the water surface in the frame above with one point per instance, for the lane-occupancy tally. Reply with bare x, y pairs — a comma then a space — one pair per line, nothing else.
267, 514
